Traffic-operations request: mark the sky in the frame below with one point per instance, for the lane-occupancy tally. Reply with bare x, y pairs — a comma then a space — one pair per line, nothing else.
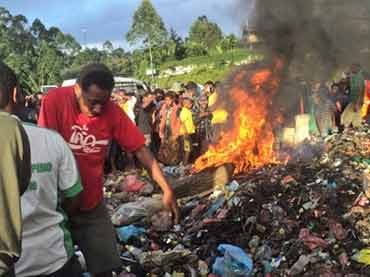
92, 22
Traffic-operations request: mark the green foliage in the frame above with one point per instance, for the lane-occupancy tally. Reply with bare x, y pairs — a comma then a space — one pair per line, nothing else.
201, 75
37, 54
235, 55
47, 56
215, 67
229, 42
176, 46
204, 36
147, 26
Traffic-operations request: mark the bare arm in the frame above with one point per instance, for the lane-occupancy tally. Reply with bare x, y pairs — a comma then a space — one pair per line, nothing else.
150, 163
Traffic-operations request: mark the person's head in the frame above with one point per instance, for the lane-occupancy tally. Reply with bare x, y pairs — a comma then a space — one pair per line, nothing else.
334, 89
120, 96
39, 95
209, 87
11, 97
203, 102
159, 94
151, 96
94, 88
187, 102
191, 89
169, 98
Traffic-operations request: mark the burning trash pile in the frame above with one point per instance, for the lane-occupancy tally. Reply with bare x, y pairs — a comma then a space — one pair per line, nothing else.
303, 218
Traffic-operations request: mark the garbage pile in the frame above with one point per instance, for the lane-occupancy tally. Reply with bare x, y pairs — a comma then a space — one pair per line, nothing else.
303, 218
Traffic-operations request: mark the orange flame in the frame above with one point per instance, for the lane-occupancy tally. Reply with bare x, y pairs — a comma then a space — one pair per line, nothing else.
249, 144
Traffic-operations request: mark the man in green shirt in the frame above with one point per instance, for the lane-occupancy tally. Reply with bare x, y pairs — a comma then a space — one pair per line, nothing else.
15, 173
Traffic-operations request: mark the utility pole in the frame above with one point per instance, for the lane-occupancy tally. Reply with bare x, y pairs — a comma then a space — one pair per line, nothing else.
84, 33
151, 59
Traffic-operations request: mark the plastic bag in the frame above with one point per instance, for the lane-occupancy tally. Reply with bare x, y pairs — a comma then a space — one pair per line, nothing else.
234, 263
132, 184
128, 232
129, 213
362, 257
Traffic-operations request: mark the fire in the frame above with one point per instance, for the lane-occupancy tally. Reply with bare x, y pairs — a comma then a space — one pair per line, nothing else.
249, 143
219, 116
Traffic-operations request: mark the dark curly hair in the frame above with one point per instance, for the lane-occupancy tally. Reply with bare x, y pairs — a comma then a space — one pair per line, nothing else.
8, 81
96, 74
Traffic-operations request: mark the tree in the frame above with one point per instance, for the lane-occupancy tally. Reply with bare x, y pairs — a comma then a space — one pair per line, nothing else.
37, 55
176, 46
38, 30
147, 26
229, 42
108, 46
119, 62
203, 35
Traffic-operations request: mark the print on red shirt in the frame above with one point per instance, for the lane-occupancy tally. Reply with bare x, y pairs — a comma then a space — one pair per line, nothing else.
89, 137
81, 142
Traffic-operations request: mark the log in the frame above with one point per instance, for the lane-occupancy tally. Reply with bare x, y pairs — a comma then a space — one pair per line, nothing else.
205, 180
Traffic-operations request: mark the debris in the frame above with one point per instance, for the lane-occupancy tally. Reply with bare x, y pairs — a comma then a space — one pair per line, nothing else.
132, 184
300, 265
235, 262
362, 256
311, 241
305, 217
162, 221
132, 212
128, 232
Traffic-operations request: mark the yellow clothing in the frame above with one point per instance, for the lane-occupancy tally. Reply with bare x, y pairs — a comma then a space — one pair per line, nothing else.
187, 124
212, 99
124, 107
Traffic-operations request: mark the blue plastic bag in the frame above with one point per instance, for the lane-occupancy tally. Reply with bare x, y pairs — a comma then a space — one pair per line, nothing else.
127, 232
234, 263
215, 206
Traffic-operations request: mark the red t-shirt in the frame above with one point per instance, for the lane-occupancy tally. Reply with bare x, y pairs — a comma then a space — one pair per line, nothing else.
89, 137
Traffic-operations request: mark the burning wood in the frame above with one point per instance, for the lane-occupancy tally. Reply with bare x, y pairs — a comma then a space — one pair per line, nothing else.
202, 181
249, 142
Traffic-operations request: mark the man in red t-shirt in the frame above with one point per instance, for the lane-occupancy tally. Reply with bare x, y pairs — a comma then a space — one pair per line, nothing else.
86, 118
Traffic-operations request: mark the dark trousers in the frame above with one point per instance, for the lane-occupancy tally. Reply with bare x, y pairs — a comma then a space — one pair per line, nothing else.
71, 269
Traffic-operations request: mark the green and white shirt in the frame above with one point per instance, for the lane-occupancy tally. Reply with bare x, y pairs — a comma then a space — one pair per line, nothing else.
46, 242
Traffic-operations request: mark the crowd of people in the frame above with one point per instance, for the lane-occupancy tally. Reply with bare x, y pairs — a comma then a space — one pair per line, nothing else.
51, 181
335, 106
177, 123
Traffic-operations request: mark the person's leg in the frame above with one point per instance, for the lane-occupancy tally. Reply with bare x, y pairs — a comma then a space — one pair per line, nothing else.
187, 149
93, 232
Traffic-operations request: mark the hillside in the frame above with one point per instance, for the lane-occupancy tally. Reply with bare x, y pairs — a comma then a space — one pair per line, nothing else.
201, 69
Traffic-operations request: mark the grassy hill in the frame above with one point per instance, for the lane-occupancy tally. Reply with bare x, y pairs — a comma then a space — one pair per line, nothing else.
201, 69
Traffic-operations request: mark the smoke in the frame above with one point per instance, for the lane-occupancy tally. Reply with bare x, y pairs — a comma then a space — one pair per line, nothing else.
315, 37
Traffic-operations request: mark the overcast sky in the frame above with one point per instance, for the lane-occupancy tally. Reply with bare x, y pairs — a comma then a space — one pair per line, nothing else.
110, 19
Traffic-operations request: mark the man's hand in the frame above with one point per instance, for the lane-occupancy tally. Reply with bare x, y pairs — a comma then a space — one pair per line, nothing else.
170, 203
169, 200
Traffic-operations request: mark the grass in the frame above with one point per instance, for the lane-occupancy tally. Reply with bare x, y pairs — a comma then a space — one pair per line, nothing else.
215, 67
235, 55
199, 76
